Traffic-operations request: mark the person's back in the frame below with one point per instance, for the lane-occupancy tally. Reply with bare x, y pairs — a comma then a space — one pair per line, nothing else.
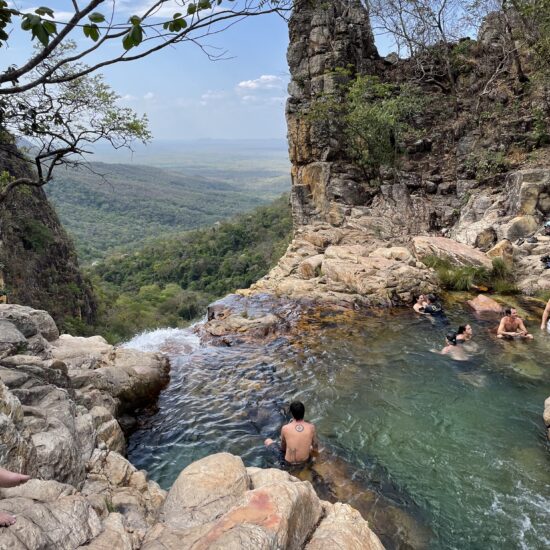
298, 438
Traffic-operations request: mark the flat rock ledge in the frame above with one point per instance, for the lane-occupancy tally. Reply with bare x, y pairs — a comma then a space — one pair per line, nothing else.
62, 399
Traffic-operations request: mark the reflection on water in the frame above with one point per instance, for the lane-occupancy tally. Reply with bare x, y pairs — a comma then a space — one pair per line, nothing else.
459, 446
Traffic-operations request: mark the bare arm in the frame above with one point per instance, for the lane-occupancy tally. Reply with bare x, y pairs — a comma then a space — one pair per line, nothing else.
521, 327
283, 441
501, 330
545, 315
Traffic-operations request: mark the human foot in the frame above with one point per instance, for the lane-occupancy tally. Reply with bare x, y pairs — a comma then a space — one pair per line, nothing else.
6, 519
11, 479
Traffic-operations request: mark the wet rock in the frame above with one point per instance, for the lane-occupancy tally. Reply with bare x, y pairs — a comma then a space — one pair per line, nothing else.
503, 250
205, 490
484, 304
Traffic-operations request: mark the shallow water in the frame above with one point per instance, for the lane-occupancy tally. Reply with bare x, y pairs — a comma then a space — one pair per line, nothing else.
460, 446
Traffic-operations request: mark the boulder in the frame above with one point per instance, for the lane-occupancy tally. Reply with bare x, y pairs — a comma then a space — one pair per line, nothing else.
504, 250
205, 490
64, 523
310, 267
484, 304
79, 352
30, 321
519, 227
448, 249
12, 340
343, 527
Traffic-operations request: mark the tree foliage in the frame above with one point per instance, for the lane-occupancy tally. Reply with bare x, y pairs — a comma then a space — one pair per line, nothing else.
54, 100
171, 281
374, 117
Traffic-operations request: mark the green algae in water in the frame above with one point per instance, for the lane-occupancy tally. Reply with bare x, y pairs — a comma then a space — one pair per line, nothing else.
463, 442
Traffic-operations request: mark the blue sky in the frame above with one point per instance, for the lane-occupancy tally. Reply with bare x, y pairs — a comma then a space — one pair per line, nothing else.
187, 96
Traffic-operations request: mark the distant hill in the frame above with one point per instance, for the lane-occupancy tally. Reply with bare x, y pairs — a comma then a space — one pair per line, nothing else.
171, 280
135, 202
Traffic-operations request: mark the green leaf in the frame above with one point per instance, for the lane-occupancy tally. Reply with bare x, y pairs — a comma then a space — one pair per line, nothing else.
204, 4
44, 10
39, 32
96, 17
135, 20
49, 27
26, 23
191, 9
128, 42
137, 34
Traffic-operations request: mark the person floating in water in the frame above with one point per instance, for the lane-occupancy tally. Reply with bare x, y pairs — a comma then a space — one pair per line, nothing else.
10, 479
420, 304
298, 438
511, 326
464, 334
433, 305
456, 352
545, 324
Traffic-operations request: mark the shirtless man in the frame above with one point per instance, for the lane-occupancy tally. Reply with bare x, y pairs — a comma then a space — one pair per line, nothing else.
451, 348
298, 438
545, 323
511, 326
10, 479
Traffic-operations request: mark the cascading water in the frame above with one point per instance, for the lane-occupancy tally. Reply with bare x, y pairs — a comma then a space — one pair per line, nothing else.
458, 447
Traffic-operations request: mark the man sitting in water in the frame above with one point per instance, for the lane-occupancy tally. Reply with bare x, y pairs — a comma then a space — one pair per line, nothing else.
10, 479
298, 438
511, 326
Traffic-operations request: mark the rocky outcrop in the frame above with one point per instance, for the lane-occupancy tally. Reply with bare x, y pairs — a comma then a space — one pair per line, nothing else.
58, 422
38, 263
218, 503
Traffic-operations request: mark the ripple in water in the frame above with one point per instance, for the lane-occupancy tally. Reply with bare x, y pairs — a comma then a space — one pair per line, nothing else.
460, 445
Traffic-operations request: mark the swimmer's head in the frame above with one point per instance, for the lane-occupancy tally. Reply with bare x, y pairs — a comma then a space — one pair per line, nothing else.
511, 312
464, 329
451, 337
431, 298
297, 410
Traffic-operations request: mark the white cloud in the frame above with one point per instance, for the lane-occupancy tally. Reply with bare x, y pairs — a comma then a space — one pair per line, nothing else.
128, 97
149, 96
265, 82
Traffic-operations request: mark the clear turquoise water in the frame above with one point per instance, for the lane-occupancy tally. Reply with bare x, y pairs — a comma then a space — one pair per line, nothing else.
459, 445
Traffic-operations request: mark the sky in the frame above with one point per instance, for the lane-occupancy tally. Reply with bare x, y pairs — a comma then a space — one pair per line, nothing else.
183, 93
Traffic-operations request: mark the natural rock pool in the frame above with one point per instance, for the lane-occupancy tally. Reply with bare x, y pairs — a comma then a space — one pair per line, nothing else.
436, 453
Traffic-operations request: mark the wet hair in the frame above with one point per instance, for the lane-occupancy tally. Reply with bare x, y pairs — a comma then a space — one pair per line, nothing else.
431, 298
451, 337
508, 311
461, 329
297, 410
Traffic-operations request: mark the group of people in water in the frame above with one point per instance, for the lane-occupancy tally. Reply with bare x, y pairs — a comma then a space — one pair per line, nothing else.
511, 326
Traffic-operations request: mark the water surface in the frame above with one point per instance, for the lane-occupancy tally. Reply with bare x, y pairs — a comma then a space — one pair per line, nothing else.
460, 446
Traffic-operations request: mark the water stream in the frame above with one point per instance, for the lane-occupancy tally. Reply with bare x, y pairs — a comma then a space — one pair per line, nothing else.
459, 447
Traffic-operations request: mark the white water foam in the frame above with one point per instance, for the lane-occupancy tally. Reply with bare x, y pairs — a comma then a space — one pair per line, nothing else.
167, 340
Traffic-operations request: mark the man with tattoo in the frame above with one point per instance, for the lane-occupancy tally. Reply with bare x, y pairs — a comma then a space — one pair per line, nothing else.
298, 438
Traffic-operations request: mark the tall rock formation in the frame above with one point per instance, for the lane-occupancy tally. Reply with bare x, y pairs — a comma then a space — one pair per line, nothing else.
324, 37
38, 263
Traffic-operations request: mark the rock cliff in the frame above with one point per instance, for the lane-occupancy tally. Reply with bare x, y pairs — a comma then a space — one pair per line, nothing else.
475, 169
38, 263
61, 400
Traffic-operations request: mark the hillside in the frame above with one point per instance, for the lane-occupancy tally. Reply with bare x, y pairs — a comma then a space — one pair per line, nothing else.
132, 202
170, 281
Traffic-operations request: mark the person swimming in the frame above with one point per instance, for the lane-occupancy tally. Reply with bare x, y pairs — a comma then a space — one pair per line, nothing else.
464, 334
298, 438
451, 348
420, 304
